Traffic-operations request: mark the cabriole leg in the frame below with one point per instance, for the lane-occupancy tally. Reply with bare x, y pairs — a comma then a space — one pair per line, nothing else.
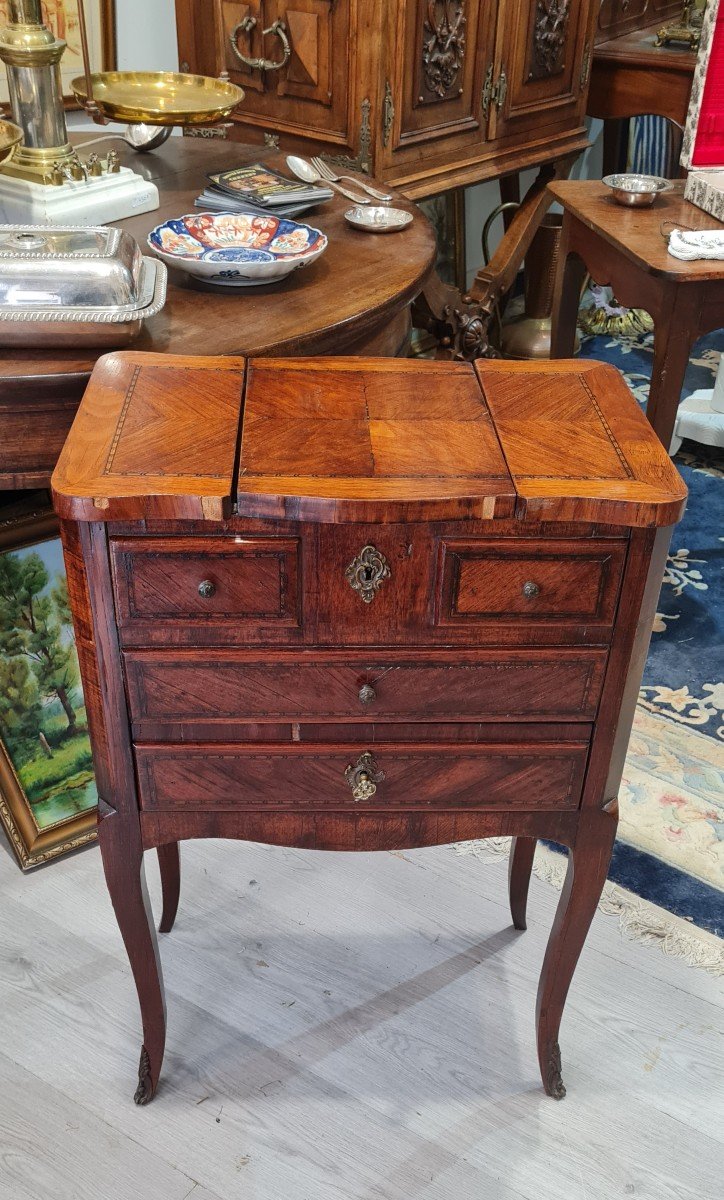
520, 865
169, 861
588, 863
126, 880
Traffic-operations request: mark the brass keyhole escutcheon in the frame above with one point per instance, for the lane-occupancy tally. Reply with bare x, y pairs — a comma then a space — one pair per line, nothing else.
366, 573
363, 777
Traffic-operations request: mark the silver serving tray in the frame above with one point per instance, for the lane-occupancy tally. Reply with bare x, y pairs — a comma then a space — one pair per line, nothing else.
88, 325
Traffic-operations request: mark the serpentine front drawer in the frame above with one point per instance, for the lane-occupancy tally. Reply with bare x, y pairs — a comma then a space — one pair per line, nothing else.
407, 777
186, 690
365, 585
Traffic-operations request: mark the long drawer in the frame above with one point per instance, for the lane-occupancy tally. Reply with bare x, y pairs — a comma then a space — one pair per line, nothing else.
389, 777
365, 586
194, 689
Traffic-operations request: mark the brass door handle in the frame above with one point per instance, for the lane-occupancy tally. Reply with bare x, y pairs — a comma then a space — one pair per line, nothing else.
367, 694
261, 64
207, 589
363, 777
531, 590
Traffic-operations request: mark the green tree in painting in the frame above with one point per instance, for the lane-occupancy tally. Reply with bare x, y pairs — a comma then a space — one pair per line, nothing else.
30, 628
19, 702
59, 596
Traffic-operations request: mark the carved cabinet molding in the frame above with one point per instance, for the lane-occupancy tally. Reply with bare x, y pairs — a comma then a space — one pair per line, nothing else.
443, 46
426, 94
550, 33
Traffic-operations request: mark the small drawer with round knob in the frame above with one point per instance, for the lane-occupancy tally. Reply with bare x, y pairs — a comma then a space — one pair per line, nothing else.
530, 583
207, 589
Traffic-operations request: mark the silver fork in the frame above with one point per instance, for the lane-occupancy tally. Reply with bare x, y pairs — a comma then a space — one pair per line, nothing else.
322, 168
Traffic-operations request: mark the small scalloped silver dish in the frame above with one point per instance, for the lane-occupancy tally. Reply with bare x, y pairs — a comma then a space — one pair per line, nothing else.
75, 285
636, 191
378, 218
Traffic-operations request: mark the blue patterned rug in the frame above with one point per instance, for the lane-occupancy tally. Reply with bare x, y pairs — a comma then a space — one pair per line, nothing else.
671, 837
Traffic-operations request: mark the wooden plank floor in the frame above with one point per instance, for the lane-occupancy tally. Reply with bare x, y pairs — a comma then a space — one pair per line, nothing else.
345, 1028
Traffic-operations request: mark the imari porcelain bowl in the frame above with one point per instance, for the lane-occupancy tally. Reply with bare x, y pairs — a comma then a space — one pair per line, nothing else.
236, 249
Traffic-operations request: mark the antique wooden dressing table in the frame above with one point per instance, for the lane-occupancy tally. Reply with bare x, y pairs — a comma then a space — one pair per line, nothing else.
361, 604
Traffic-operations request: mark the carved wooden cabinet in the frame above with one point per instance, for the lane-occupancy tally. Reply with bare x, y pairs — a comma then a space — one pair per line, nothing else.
360, 605
427, 94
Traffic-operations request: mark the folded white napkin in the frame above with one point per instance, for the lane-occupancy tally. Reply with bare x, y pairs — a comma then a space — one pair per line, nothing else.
706, 243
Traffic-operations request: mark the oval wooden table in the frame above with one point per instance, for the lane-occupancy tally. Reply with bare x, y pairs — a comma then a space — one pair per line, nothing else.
354, 300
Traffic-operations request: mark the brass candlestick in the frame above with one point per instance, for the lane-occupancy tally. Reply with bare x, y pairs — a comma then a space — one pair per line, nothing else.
32, 55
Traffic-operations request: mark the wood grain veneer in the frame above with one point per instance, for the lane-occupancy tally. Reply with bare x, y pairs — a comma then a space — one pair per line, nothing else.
359, 606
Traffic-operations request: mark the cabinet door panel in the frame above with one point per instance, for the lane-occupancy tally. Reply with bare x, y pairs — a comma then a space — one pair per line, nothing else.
439, 49
312, 88
541, 53
309, 27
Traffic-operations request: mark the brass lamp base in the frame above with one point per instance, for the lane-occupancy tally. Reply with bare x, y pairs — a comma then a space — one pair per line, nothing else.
89, 201
37, 165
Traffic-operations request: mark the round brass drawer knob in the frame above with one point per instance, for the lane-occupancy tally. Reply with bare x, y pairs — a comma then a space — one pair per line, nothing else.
531, 590
367, 694
207, 589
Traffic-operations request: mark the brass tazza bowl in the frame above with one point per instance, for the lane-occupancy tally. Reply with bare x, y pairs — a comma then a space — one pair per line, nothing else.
159, 97
10, 137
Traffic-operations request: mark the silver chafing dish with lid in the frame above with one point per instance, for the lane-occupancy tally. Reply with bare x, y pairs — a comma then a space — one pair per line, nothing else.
75, 286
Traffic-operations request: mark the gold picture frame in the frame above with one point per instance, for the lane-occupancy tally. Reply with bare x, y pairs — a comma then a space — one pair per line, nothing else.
62, 18
42, 748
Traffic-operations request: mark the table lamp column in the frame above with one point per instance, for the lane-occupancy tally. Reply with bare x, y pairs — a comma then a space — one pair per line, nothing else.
32, 54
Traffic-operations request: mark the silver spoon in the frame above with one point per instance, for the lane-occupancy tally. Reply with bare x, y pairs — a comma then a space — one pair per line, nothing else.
138, 137
301, 168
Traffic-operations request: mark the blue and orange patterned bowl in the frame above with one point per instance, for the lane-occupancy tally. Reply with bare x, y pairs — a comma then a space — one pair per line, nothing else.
236, 249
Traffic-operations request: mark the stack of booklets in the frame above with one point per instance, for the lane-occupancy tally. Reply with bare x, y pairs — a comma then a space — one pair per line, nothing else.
258, 189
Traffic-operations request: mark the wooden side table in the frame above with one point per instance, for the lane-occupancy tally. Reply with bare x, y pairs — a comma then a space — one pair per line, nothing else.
632, 75
625, 248
361, 605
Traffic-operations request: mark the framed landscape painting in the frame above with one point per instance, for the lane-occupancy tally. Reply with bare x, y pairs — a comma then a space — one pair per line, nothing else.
48, 795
